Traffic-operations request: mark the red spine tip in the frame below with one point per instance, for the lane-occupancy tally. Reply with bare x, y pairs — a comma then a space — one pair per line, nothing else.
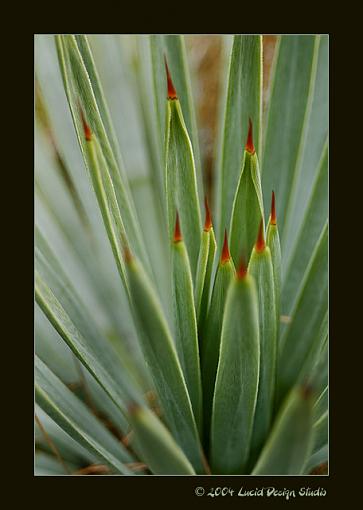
273, 210
249, 144
306, 391
171, 89
208, 216
225, 250
133, 408
86, 128
260, 243
127, 254
177, 232
242, 269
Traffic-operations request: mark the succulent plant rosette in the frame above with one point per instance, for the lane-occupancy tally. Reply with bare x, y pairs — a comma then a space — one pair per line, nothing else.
180, 328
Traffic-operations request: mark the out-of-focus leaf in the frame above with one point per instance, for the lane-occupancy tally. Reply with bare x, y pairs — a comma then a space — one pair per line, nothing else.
291, 87
98, 358
80, 93
74, 417
312, 144
316, 214
290, 441
158, 448
303, 338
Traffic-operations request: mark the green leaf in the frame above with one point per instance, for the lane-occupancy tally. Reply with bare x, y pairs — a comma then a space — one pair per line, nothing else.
312, 145
185, 326
289, 443
79, 92
316, 214
273, 242
88, 61
161, 357
99, 358
244, 100
247, 209
157, 447
289, 100
69, 449
75, 418
207, 252
303, 338
260, 267
173, 47
237, 380
211, 339
180, 182
316, 459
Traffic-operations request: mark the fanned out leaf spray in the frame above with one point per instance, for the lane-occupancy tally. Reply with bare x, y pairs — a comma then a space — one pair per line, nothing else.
200, 351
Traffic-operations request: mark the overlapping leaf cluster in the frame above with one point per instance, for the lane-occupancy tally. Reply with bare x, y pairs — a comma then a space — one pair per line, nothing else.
207, 352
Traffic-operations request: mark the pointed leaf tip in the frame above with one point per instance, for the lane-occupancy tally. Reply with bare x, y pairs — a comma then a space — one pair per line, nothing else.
133, 408
242, 269
273, 210
127, 254
306, 391
86, 128
249, 144
171, 89
260, 243
225, 250
208, 216
177, 232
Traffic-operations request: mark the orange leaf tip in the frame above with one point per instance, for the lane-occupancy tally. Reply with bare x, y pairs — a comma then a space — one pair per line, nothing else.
177, 232
133, 408
249, 144
260, 243
127, 254
242, 269
86, 128
171, 89
273, 210
225, 250
306, 391
208, 216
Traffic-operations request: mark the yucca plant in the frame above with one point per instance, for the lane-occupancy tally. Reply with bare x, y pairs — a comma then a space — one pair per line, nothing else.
180, 331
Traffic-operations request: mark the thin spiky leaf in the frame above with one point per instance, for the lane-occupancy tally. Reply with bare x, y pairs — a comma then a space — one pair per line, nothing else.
247, 209
161, 356
237, 378
185, 322
290, 441
159, 450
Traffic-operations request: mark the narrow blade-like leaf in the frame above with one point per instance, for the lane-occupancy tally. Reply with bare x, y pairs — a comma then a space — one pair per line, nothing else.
237, 379
244, 101
185, 323
212, 336
180, 182
260, 267
158, 448
161, 357
303, 338
290, 441
75, 418
247, 206
285, 118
